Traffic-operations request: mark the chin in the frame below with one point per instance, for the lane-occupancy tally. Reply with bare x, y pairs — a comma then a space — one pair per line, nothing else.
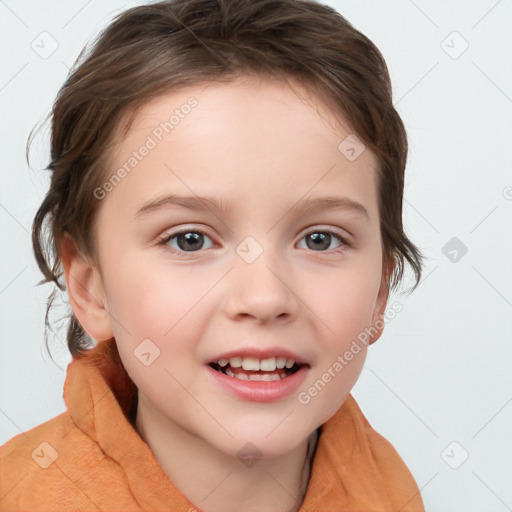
260, 445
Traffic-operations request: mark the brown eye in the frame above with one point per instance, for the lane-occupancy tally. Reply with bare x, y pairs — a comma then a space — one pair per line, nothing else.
185, 241
320, 241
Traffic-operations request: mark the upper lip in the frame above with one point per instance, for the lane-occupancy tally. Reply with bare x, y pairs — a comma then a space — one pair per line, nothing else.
260, 354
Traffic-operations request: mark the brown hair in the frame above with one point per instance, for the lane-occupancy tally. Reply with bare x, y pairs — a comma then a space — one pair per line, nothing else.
149, 50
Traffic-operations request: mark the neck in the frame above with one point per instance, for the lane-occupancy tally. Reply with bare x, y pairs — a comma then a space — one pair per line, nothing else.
218, 482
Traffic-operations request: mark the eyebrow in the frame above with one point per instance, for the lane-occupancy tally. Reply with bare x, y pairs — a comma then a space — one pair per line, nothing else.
306, 206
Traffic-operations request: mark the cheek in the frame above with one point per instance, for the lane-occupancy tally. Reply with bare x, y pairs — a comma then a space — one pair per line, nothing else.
346, 300
346, 308
151, 300
156, 311
165, 305
345, 303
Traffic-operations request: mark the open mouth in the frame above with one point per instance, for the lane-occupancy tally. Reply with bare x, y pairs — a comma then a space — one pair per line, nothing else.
250, 368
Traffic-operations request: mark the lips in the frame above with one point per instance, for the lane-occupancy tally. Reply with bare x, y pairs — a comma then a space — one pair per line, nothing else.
257, 385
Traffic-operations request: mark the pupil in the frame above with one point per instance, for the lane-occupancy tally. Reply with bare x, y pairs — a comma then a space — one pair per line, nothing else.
190, 238
321, 240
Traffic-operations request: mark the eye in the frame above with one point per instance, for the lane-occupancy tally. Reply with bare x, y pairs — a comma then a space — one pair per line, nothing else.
185, 240
189, 240
320, 241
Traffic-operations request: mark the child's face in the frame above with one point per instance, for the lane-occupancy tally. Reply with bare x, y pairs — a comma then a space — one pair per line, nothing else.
260, 275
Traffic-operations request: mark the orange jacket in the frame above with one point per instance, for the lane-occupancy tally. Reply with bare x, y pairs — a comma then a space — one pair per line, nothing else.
91, 458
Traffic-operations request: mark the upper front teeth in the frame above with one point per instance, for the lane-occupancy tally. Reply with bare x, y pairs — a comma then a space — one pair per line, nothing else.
255, 364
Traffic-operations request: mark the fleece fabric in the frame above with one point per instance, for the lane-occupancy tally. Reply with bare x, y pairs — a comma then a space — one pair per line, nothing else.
92, 458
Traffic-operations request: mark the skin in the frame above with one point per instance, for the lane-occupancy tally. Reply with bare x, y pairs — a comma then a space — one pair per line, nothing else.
261, 146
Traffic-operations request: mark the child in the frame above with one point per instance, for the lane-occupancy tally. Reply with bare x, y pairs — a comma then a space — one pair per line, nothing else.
264, 133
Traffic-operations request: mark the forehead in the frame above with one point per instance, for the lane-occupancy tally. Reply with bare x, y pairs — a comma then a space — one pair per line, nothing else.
242, 140
251, 92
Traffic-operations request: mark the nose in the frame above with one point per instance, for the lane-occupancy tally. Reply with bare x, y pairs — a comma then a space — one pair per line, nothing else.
261, 290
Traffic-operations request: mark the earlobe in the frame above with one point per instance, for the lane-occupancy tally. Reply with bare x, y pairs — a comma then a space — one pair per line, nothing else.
85, 291
380, 309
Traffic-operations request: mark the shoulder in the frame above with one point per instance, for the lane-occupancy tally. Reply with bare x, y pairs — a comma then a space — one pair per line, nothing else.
30, 465
20, 453
400, 484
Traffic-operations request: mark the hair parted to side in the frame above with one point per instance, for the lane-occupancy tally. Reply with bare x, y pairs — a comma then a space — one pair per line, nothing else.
152, 49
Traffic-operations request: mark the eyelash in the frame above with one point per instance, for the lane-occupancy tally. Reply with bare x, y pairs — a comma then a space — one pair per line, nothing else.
345, 244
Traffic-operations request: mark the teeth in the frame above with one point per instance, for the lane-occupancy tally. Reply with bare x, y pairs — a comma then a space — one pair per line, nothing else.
235, 362
254, 364
268, 365
250, 363
265, 376
268, 377
259, 377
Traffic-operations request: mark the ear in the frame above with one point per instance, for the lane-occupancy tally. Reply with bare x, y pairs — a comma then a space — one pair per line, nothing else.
380, 307
86, 293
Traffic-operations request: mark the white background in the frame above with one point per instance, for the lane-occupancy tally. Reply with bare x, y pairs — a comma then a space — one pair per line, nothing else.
442, 370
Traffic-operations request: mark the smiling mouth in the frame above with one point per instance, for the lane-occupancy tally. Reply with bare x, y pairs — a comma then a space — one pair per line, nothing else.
239, 372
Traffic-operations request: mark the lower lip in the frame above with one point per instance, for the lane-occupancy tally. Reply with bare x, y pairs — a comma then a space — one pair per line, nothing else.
257, 390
